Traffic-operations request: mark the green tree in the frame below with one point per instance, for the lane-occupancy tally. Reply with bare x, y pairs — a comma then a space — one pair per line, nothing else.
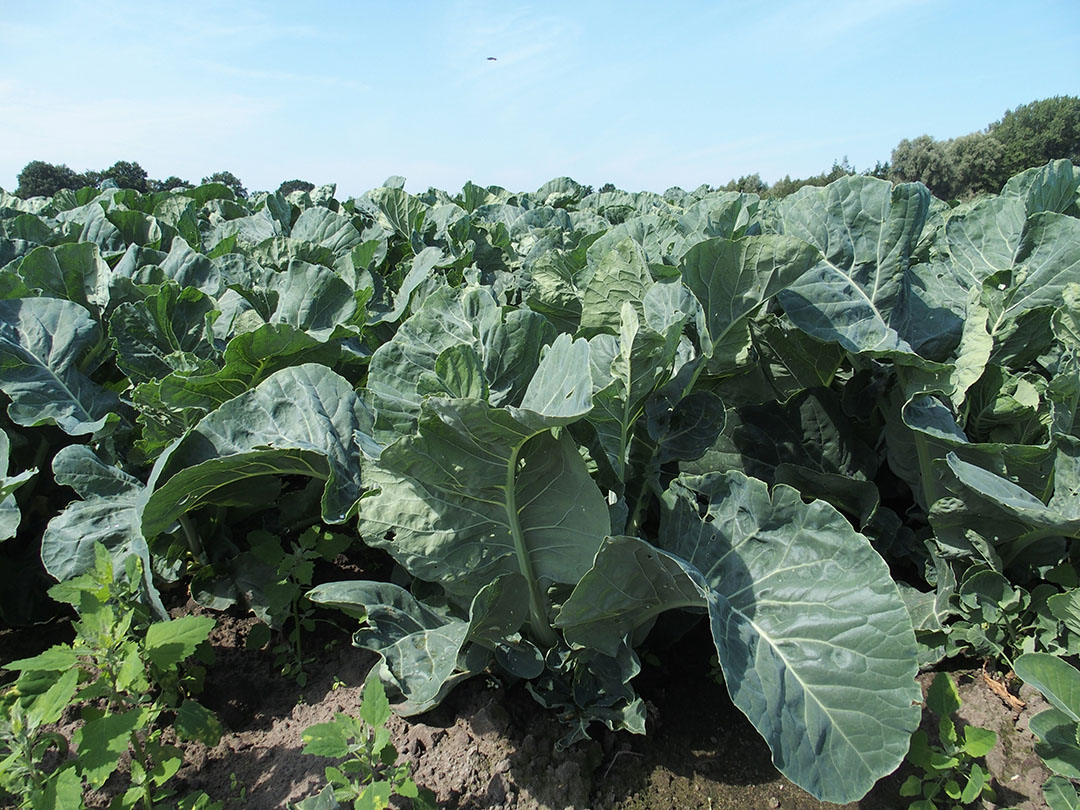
229, 179
748, 184
926, 161
289, 186
127, 175
1036, 133
978, 164
168, 184
41, 179
786, 186
607, 187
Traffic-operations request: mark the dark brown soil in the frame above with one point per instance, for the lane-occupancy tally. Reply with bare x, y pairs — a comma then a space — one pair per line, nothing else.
492, 746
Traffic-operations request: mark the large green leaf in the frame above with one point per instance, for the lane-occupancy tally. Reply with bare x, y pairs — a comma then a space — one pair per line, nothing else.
249, 359
299, 421
816, 645
1047, 259
1058, 680
921, 432
508, 346
626, 369
621, 277
109, 513
43, 341
425, 653
483, 491
732, 278
75, 272
9, 509
327, 228
311, 298
1045, 188
168, 331
1060, 794
859, 295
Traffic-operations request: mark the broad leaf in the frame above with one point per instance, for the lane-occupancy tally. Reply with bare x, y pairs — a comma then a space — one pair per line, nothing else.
815, 643
43, 342
424, 652
732, 278
299, 421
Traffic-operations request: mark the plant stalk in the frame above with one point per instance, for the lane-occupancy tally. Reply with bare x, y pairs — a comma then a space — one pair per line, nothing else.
537, 602
192, 537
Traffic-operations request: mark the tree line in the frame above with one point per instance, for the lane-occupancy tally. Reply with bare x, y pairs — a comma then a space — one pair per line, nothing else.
953, 169
963, 167
41, 179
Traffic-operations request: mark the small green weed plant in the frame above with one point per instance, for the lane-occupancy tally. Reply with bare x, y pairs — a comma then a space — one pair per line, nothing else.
289, 575
1000, 620
369, 773
124, 673
1058, 728
951, 775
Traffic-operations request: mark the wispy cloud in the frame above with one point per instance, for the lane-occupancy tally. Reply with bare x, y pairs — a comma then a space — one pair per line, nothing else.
812, 25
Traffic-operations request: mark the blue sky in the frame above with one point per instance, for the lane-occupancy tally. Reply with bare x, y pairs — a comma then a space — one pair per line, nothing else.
644, 95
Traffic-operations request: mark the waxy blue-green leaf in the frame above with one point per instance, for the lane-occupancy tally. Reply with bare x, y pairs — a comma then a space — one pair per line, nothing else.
137, 228
30, 228
656, 233
403, 212
807, 442
631, 582
1057, 727
622, 276
75, 272
508, 345
95, 227
181, 213
1060, 794
252, 229
43, 341
300, 421
625, 370
190, 269
420, 271
816, 645
732, 278
1048, 260
866, 230
1052, 187
109, 513
483, 491
727, 215
790, 359
166, 332
249, 359
324, 227
1007, 516
311, 298
9, 509
422, 651
923, 430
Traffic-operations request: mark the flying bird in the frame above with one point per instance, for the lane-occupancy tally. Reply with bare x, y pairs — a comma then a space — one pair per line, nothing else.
492, 59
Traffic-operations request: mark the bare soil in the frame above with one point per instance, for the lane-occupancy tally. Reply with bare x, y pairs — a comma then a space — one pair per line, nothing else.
492, 746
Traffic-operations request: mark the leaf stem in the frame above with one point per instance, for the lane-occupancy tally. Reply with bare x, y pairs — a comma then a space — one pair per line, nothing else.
537, 603
193, 541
